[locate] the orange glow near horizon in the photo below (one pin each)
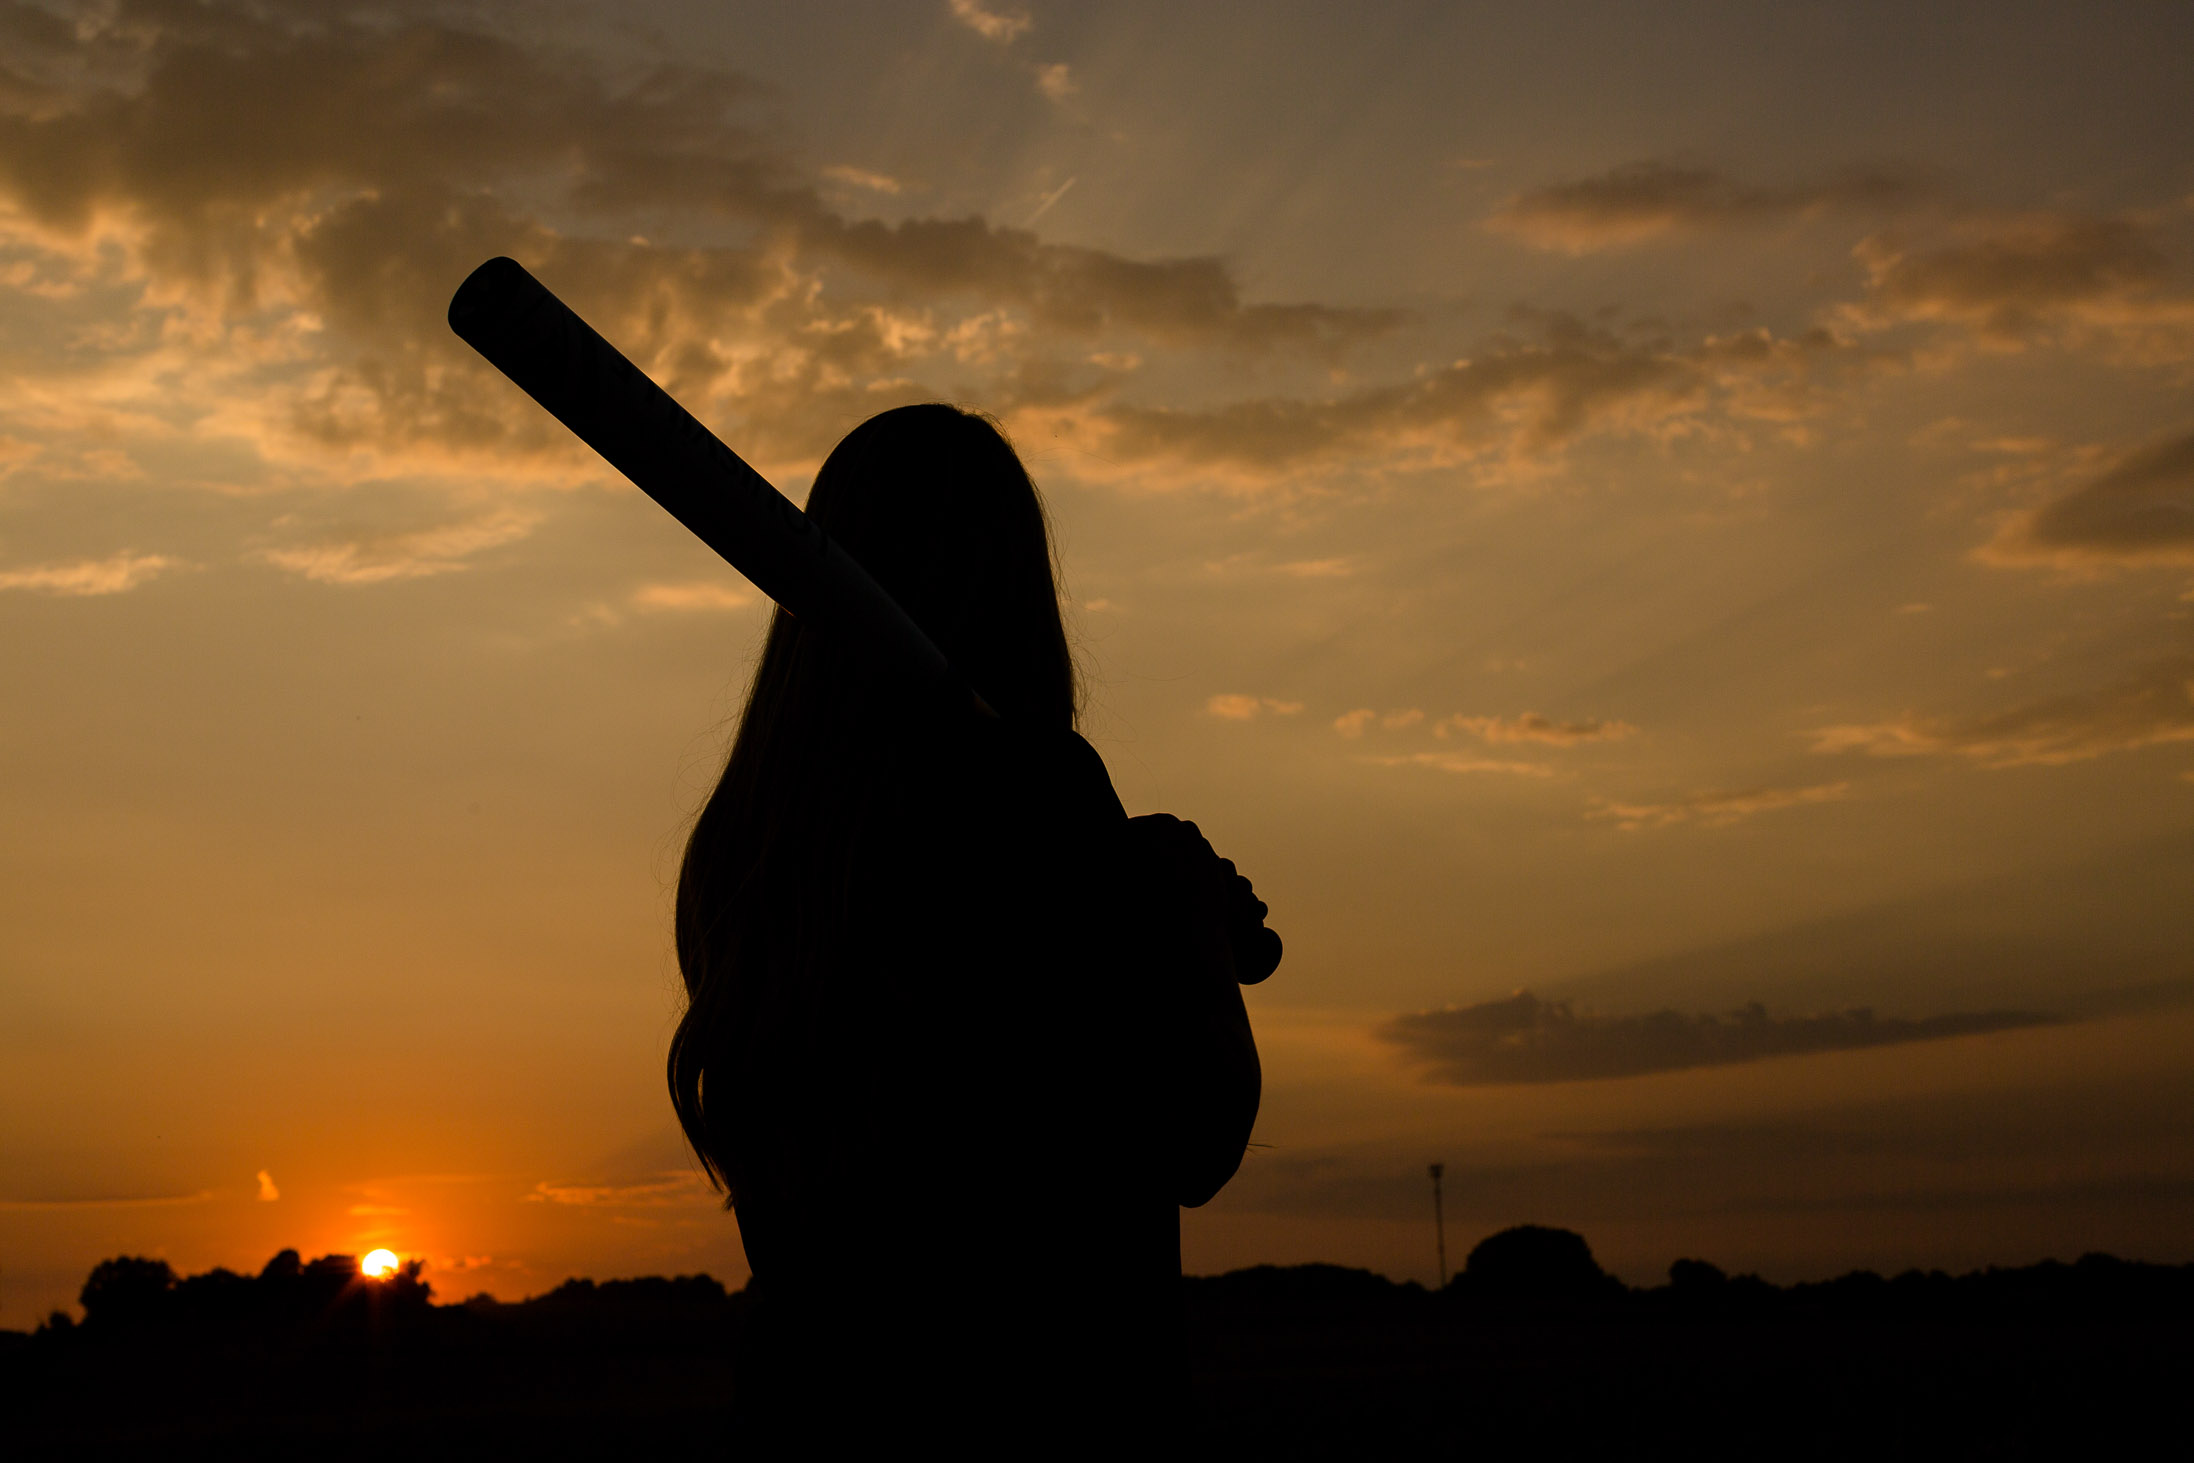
(379, 1264)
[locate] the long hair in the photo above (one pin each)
(932, 501)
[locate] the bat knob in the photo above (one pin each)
(1256, 954)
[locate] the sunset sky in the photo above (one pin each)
(1662, 538)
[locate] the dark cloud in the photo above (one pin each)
(1523, 1039)
(1862, 1135)
(1079, 290)
(2103, 1161)
(2011, 280)
(2007, 279)
(2100, 934)
(1520, 399)
(1562, 386)
(2118, 1195)
(2153, 707)
(2139, 512)
(2054, 1144)
(1648, 200)
(1527, 396)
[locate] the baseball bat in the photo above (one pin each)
(586, 383)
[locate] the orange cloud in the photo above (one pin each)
(1054, 80)
(701, 595)
(864, 178)
(1532, 727)
(1643, 201)
(1247, 708)
(376, 558)
(2152, 708)
(2009, 281)
(1716, 809)
(115, 574)
(1460, 763)
(662, 1189)
(997, 26)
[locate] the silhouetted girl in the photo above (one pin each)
(960, 1036)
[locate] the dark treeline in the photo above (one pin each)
(1531, 1350)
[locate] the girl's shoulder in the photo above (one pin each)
(1048, 770)
(992, 792)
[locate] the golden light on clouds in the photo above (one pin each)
(1233, 706)
(1719, 809)
(115, 574)
(703, 595)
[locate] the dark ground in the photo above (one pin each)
(1531, 1354)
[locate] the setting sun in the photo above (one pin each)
(379, 1264)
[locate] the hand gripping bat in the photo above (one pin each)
(586, 383)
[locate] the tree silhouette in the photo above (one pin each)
(126, 1290)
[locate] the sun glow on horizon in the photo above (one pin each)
(379, 1264)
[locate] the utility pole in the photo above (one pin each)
(1439, 1226)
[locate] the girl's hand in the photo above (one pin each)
(1179, 854)
(1185, 860)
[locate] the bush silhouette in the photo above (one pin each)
(1532, 1262)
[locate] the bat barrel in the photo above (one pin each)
(586, 383)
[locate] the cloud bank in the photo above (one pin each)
(199, 174)
(1526, 1040)
(1236, 707)
(2140, 512)
(116, 574)
(2153, 707)
(1717, 809)
(2057, 277)
(673, 1188)
(202, 173)
(1644, 201)
(1461, 762)
(1532, 727)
